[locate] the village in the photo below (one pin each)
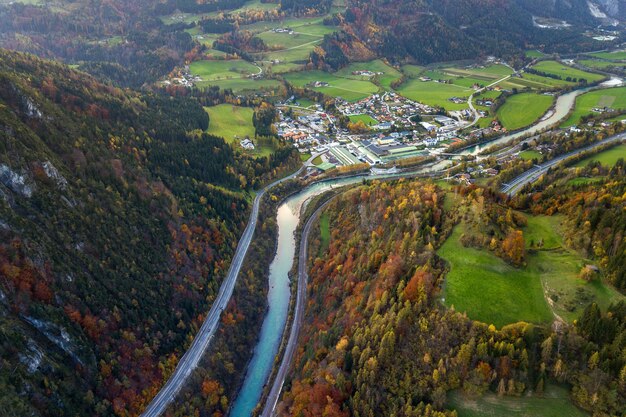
(397, 128)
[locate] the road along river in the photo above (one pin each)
(288, 218)
(278, 296)
(260, 367)
(564, 103)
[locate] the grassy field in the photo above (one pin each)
(435, 94)
(324, 232)
(558, 269)
(412, 71)
(608, 157)
(233, 123)
(521, 110)
(367, 119)
(242, 85)
(614, 98)
(348, 89)
(528, 155)
(284, 40)
(533, 53)
(564, 71)
(488, 289)
(614, 56)
(492, 291)
(290, 50)
(541, 82)
(389, 75)
(183, 18)
(222, 70)
(593, 63)
(554, 402)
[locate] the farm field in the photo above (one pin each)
(435, 94)
(389, 75)
(488, 289)
(594, 63)
(554, 402)
(291, 51)
(348, 89)
(608, 157)
(614, 98)
(540, 82)
(278, 41)
(230, 122)
(614, 56)
(222, 69)
(521, 110)
(564, 71)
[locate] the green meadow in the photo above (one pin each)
(554, 402)
(521, 110)
(608, 157)
(435, 94)
(222, 69)
(614, 98)
(346, 88)
(492, 291)
(365, 118)
(564, 71)
(389, 75)
(233, 123)
(613, 56)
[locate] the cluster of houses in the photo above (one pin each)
(366, 73)
(387, 109)
(247, 144)
(317, 84)
(305, 130)
(184, 77)
(468, 177)
(283, 30)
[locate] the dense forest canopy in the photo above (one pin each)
(117, 227)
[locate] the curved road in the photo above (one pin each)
(515, 185)
(277, 385)
(292, 342)
(191, 358)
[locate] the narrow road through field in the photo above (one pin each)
(471, 98)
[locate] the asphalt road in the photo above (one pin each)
(515, 185)
(191, 358)
(292, 342)
(278, 382)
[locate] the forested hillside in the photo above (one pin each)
(116, 228)
(377, 341)
(429, 31)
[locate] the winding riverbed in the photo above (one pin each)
(288, 218)
(564, 103)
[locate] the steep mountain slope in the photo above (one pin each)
(426, 31)
(116, 227)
